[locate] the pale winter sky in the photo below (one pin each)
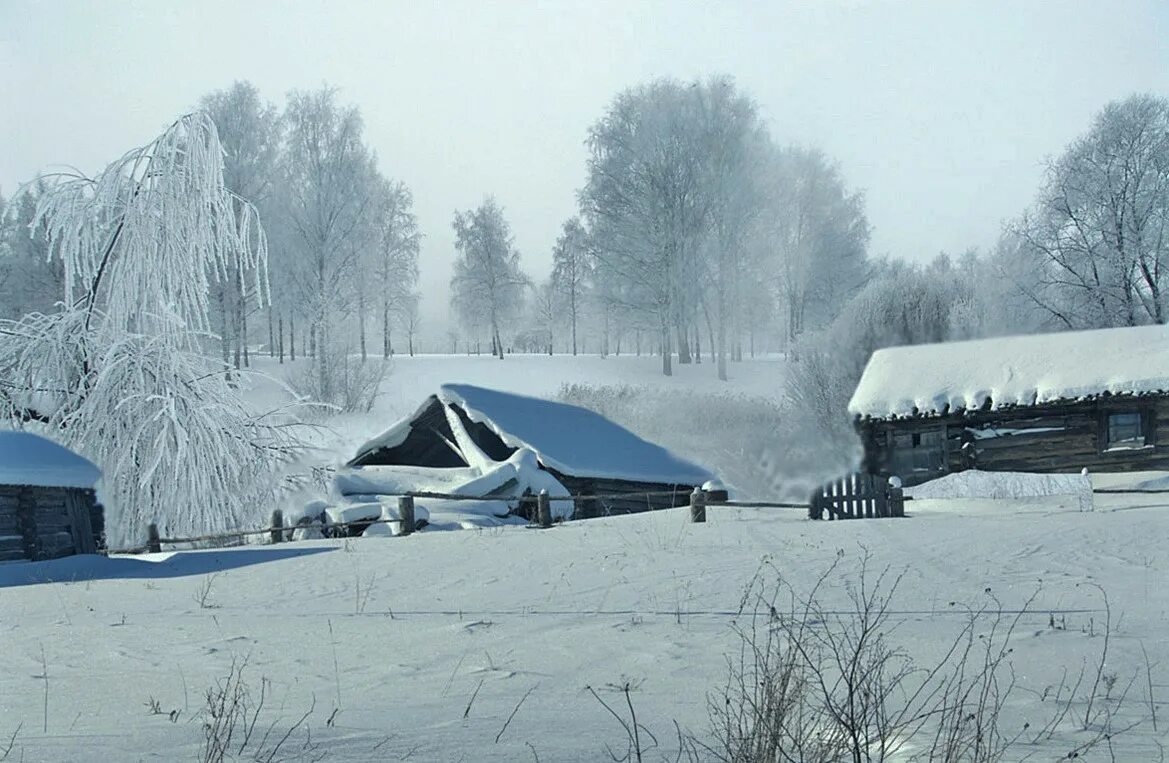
(941, 111)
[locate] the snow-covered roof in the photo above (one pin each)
(929, 379)
(566, 438)
(29, 459)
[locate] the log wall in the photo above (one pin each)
(630, 504)
(39, 523)
(1062, 437)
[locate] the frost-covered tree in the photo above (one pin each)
(395, 262)
(734, 142)
(901, 304)
(411, 320)
(572, 268)
(487, 286)
(118, 371)
(545, 309)
(29, 280)
(1099, 231)
(331, 191)
(250, 133)
(644, 204)
(817, 232)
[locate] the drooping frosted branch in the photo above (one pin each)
(145, 236)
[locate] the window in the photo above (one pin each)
(1125, 430)
(923, 451)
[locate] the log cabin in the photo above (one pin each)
(1039, 403)
(48, 504)
(473, 441)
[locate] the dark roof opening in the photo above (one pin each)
(483, 436)
(430, 442)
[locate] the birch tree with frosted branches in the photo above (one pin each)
(250, 131)
(120, 371)
(487, 286)
(572, 268)
(1097, 236)
(330, 194)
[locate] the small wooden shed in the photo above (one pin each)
(48, 505)
(463, 431)
(1038, 403)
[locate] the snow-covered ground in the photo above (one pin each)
(420, 648)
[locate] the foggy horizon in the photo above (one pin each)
(942, 116)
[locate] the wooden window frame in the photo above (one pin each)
(1148, 426)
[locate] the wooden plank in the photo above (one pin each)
(26, 523)
(867, 489)
(78, 506)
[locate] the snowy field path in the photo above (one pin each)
(398, 635)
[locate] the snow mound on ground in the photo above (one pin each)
(1004, 485)
(1156, 483)
(370, 492)
(29, 459)
(1016, 370)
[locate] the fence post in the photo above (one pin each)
(698, 505)
(716, 492)
(277, 526)
(544, 510)
(153, 539)
(815, 508)
(406, 514)
(896, 498)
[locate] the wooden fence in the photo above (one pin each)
(837, 501)
(858, 496)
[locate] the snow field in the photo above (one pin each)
(398, 634)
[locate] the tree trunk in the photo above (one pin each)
(224, 338)
(697, 347)
(236, 317)
(280, 338)
(271, 334)
(683, 346)
(386, 348)
(322, 362)
(292, 337)
(722, 352)
(243, 333)
(667, 369)
(361, 325)
(721, 349)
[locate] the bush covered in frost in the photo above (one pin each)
(764, 448)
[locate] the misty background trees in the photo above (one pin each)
(701, 237)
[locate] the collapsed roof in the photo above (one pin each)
(931, 379)
(463, 425)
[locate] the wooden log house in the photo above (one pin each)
(1039, 403)
(463, 432)
(48, 507)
